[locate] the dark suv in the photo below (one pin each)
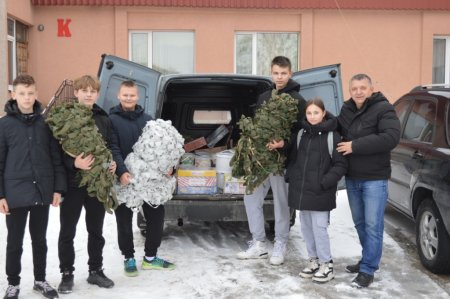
(420, 182)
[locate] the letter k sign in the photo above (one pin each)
(63, 28)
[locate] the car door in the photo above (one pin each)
(323, 82)
(114, 70)
(418, 118)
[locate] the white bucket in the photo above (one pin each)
(223, 161)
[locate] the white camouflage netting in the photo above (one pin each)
(156, 152)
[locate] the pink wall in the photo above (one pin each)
(21, 10)
(392, 46)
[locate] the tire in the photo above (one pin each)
(432, 239)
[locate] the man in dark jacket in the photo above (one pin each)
(282, 82)
(86, 90)
(128, 120)
(32, 177)
(370, 129)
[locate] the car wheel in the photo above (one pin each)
(433, 242)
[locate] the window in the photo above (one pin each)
(401, 108)
(441, 60)
(448, 123)
(254, 51)
(17, 50)
(420, 124)
(167, 52)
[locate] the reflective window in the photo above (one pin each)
(401, 108)
(421, 121)
(255, 50)
(167, 52)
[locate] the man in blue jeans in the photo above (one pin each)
(370, 129)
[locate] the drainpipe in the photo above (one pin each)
(3, 55)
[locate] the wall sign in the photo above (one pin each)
(63, 28)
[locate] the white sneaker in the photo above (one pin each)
(311, 268)
(256, 250)
(278, 253)
(325, 273)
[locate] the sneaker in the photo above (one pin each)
(256, 250)
(99, 278)
(12, 292)
(353, 268)
(325, 273)
(130, 267)
(66, 284)
(362, 280)
(278, 253)
(157, 264)
(311, 268)
(45, 289)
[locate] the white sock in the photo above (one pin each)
(149, 258)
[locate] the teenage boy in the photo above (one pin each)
(32, 177)
(86, 90)
(282, 83)
(128, 120)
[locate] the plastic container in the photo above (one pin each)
(187, 159)
(223, 161)
(222, 177)
(202, 160)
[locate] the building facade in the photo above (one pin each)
(400, 43)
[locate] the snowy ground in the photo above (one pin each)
(207, 267)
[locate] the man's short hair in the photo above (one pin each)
(281, 61)
(359, 77)
(128, 83)
(24, 79)
(86, 81)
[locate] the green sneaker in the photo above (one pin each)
(157, 264)
(130, 267)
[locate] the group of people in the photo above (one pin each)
(322, 149)
(36, 173)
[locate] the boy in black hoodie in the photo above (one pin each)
(32, 177)
(86, 90)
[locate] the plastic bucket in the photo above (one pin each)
(202, 160)
(187, 159)
(223, 161)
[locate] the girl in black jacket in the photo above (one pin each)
(313, 175)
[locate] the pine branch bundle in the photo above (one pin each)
(72, 124)
(273, 121)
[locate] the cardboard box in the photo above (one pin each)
(192, 180)
(233, 186)
(195, 144)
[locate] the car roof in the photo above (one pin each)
(441, 90)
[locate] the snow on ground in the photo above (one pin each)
(207, 268)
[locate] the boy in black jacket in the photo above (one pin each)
(86, 90)
(32, 177)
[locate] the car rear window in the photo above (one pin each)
(448, 124)
(421, 121)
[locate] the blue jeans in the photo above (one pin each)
(367, 200)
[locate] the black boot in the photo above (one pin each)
(97, 277)
(66, 285)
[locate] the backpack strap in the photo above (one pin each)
(330, 143)
(299, 137)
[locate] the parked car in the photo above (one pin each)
(420, 183)
(179, 98)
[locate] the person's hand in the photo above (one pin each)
(344, 147)
(56, 199)
(275, 144)
(4, 209)
(112, 167)
(125, 178)
(84, 163)
(170, 172)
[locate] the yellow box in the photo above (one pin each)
(196, 181)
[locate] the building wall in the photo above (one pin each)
(393, 46)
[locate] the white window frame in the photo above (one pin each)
(447, 57)
(14, 54)
(254, 35)
(150, 44)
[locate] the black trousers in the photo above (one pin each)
(154, 229)
(70, 210)
(15, 223)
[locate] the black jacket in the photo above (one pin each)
(374, 131)
(31, 168)
(311, 173)
(127, 127)
(103, 124)
(292, 88)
